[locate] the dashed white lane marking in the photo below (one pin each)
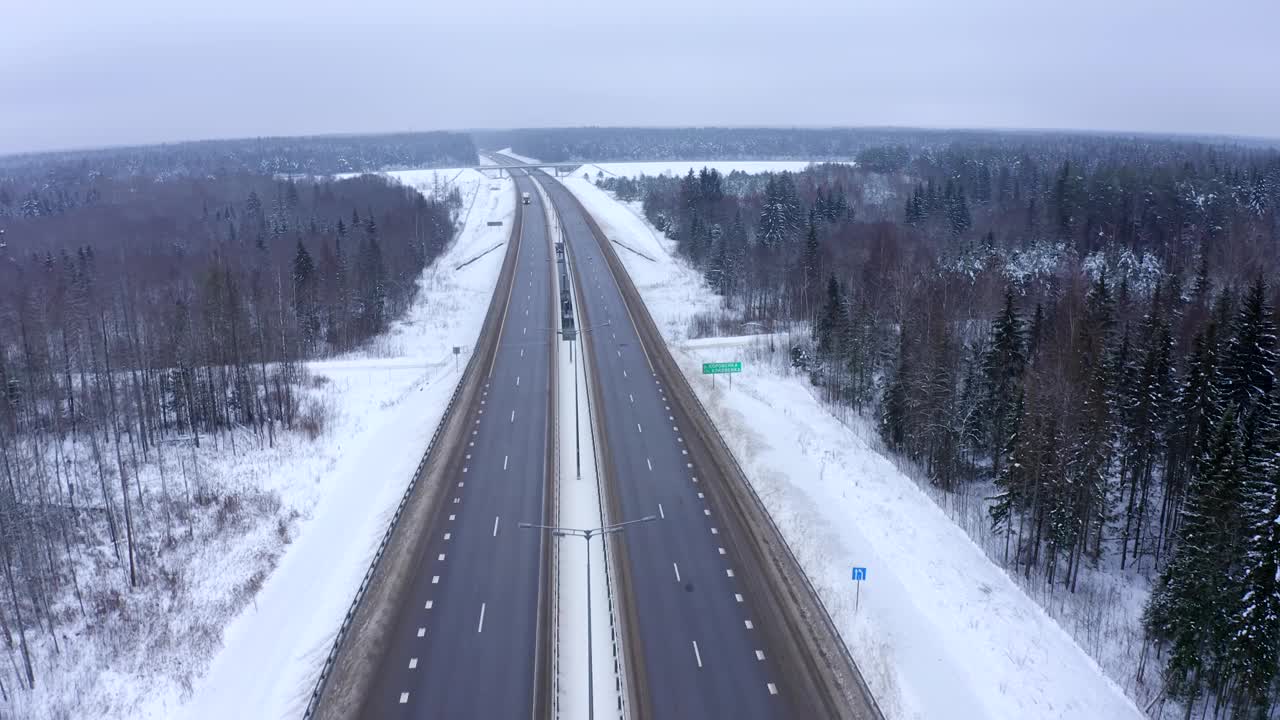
(441, 557)
(435, 579)
(513, 416)
(737, 597)
(728, 572)
(650, 463)
(715, 531)
(524, 331)
(706, 511)
(677, 569)
(633, 397)
(413, 663)
(667, 407)
(404, 698)
(422, 632)
(619, 353)
(452, 517)
(638, 428)
(505, 458)
(457, 500)
(517, 381)
(660, 512)
(697, 655)
(700, 496)
(773, 689)
(748, 624)
(480, 627)
(721, 550)
(429, 604)
(521, 352)
(460, 484)
(448, 535)
(759, 654)
(624, 373)
(495, 526)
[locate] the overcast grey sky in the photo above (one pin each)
(85, 72)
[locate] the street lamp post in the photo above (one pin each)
(587, 534)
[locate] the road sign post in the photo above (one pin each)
(859, 575)
(721, 368)
(457, 350)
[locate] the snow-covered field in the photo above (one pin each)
(678, 168)
(235, 623)
(938, 630)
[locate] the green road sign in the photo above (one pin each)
(721, 368)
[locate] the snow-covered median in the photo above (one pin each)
(939, 630)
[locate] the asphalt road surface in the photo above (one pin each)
(704, 655)
(466, 637)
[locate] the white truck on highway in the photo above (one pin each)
(524, 198)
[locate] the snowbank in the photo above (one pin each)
(939, 630)
(390, 406)
(240, 613)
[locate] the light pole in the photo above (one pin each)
(586, 535)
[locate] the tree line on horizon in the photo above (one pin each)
(1083, 332)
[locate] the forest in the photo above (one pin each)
(883, 148)
(1081, 328)
(140, 316)
(66, 171)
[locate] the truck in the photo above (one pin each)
(524, 198)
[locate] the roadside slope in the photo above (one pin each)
(939, 630)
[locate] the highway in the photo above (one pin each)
(465, 638)
(703, 652)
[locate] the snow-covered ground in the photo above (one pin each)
(391, 405)
(676, 167)
(938, 630)
(235, 621)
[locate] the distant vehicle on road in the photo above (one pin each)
(524, 198)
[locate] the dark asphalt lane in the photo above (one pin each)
(703, 653)
(465, 641)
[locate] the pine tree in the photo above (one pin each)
(1255, 632)
(773, 217)
(1091, 451)
(1249, 363)
(893, 405)
(1012, 477)
(958, 213)
(831, 324)
(305, 297)
(1193, 599)
(1002, 368)
(811, 262)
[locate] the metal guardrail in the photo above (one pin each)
(327, 668)
(813, 591)
(786, 546)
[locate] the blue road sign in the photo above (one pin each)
(859, 573)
